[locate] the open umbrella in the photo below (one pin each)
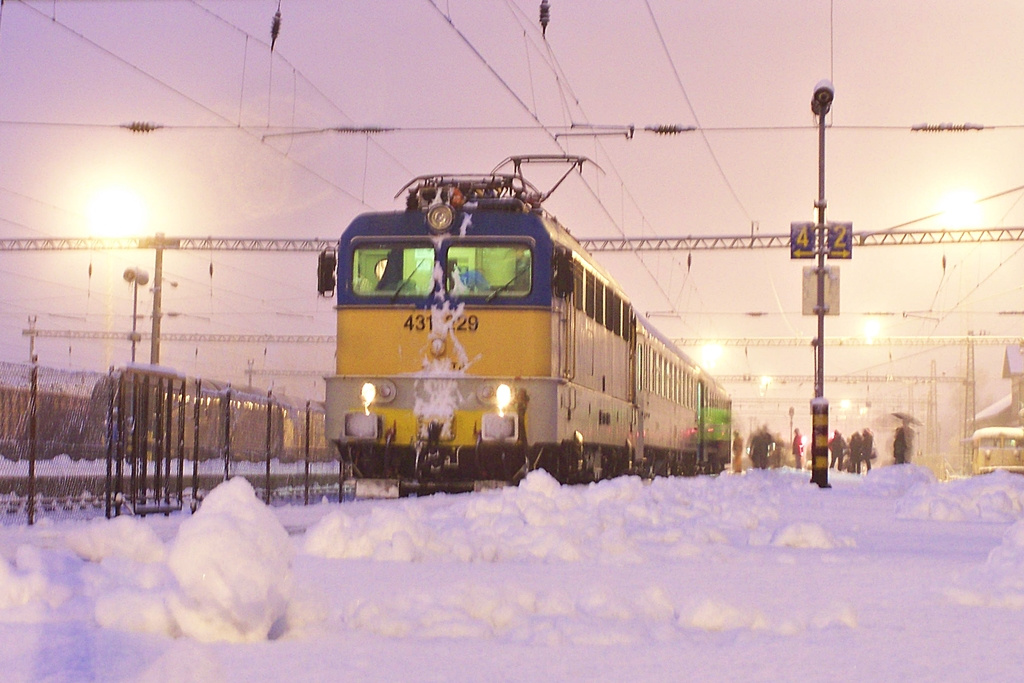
(907, 418)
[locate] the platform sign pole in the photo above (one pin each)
(818, 240)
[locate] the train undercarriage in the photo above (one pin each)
(429, 468)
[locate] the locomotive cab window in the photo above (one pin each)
(393, 269)
(489, 270)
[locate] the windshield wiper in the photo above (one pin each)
(504, 287)
(404, 282)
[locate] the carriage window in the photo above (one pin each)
(577, 285)
(393, 269)
(589, 294)
(490, 270)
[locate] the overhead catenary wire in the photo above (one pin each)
(693, 113)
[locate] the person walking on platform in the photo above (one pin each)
(899, 446)
(737, 453)
(798, 449)
(837, 446)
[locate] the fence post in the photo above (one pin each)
(305, 495)
(183, 394)
(112, 432)
(227, 433)
(270, 416)
(159, 441)
(195, 444)
(121, 444)
(33, 397)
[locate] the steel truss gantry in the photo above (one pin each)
(188, 337)
(756, 241)
(937, 340)
(314, 244)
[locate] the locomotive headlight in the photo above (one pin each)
(440, 218)
(503, 397)
(368, 393)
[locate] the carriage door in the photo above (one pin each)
(566, 286)
(701, 424)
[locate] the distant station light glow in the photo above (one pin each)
(117, 211)
(710, 355)
(960, 210)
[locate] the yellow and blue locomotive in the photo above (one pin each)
(478, 341)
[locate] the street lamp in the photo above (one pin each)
(135, 277)
(818, 240)
(821, 103)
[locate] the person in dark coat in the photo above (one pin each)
(856, 452)
(837, 446)
(899, 446)
(760, 444)
(798, 449)
(868, 448)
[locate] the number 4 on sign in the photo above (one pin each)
(801, 240)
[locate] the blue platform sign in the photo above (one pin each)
(840, 240)
(801, 240)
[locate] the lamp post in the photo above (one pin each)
(135, 277)
(821, 103)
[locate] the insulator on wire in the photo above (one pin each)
(545, 17)
(946, 127)
(670, 129)
(275, 28)
(141, 126)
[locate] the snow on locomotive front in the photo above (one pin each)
(444, 336)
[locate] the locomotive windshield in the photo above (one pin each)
(405, 268)
(489, 270)
(392, 269)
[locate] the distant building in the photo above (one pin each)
(1013, 369)
(1007, 411)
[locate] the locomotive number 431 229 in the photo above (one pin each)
(418, 322)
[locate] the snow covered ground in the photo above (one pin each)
(753, 577)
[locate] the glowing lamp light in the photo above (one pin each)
(710, 355)
(871, 330)
(117, 212)
(503, 397)
(960, 210)
(368, 393)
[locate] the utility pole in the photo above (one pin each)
(158, 280)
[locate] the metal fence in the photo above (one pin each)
(144, 440)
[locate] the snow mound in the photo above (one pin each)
(232, 561)
(995, 497)
(896, 480)
(26, 593)
(1000, 581)
(622, 521)
(573, 615)
(805, 535)
(124, 537)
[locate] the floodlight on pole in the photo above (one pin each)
(135, 277)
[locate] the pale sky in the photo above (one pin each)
(466, 83)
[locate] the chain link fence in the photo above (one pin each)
(145, 440)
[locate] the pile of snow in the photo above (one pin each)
(751, 568)
(995, 497)
(226, 576)
(625, 520)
